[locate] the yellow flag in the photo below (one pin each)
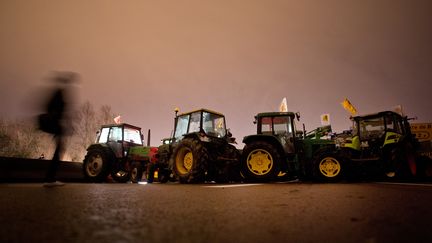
(349, 107)
(325, 119)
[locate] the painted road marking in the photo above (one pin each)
(404, 184)
(236, 185)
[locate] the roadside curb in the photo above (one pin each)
(34, 170)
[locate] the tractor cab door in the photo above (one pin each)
(394, 130)
(371, 132)
(282, 128)
(115, 141)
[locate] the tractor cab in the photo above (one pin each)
(209, 125)
(374, 132)
(279, 125)
(120, 138)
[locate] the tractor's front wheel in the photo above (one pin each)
(260, 161)
(328, 167)
(189, 161)
(121, 176)
(136, 172)
(96, 165)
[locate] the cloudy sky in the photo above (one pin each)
(239, 57)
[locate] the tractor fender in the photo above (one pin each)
(266, 138)
(105, 148)
(192, 135)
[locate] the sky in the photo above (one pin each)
(238, 57)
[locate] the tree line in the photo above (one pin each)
(23, 139)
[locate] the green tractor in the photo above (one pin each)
(200, 149)
(118, 152)
(381, 143)
(278, 150)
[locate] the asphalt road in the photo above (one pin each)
(285, 212)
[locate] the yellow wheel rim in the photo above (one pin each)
(188, 160)
(259, 162)
(184, 161)
(329, 167)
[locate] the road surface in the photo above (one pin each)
(274, 212)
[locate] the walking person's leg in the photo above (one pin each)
(50, 179)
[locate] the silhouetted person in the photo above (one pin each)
(53, 122)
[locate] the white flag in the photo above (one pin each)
(398, 109)
(283, 106)
(117, 119)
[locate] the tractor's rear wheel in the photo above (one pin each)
(189, 161)
(328, 167)
(260, 161)
(96, 165)
(401, 163)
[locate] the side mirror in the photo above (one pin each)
(229, 134)
(297, 114)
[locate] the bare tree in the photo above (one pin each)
(23, 139)
(86, 124)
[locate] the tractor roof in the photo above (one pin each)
(265, 114)
(202, 109)
(122, 124)
(378, 114)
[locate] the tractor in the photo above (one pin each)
(200, 149)
(381, 144)
(119, 152)
(279, 151)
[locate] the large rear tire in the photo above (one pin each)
(96, 165)
(260, 161)
(401, 163)
(189, 161)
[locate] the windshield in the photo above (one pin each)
(276, 125)
(371, 128)
(132, 135)
(214, 125)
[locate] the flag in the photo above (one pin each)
(283, 107)
(325, 119)
(117, 119)
(398, 109)
(349, 107)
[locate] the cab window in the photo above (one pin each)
(103, 135)
(195, 119)
(116, 134)
(266, 125)
(182, 126)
